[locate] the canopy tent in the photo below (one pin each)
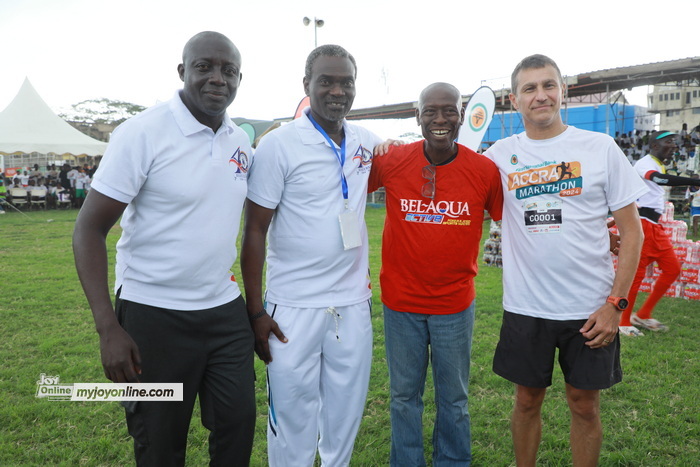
(28, 125)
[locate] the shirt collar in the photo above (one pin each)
(310, 135)
(190, 125)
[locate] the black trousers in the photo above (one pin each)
(211, 353)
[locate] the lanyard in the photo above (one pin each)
(340, 156)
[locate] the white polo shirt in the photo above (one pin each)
(185, 187)
(298, 174)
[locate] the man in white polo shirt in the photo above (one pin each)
(180, 317)
(308, 186)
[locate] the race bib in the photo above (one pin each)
(543, 217)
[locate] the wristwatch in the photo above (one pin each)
(621, 303)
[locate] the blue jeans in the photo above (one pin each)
(449, 337)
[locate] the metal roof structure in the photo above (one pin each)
(583, 84)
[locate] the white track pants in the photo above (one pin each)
(317, 383)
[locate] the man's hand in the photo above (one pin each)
(383, 148)
(601, 327)
(614, 243)
(262, 328)
(121, 360)
(614, 239)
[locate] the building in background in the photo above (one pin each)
(594, 114)
(676, 103)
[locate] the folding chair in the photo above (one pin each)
(38, 197)
(19, 197)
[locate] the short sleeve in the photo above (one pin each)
(124, 167)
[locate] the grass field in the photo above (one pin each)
(651, 419)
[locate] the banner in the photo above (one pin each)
(477, 117)
(305, 102)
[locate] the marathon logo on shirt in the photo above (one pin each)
(240, 159)
(363, 158)
(440, 212)
(548, 178)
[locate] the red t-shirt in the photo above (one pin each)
(430, 247)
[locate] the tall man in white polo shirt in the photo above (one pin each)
(180, 317)
(308, 186)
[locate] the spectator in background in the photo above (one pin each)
(693, 195)
(3, 193)
(657, 243)
(24, 178)
(63, 179)
(52, 173)
(81, 181)
(72, 175)
(36, 173)
(52, 194)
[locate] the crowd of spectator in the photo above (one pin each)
(52, 188)
(635, 145)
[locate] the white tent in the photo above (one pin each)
(28, 125)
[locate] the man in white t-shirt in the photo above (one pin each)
(693, 194)
(657, 245)
(559, 286)
(179, 316)
(308, 187)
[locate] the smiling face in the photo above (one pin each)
(331, 88)
(211, 71)
(440, 115)
(538, 96)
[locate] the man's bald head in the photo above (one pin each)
(447, 87)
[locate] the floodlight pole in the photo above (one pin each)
(318, 23)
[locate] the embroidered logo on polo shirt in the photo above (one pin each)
(240, 159)
(363, 156)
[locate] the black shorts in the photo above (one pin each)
(525, 354)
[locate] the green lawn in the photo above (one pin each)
(651, 419)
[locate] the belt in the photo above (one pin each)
(650, 214)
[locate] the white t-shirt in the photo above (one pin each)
(185, 187)
(695, 202)
(555, 246)
(80, 181)
(298, 174)
(72, 175)
(657, 194)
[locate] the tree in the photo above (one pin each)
(102, 111)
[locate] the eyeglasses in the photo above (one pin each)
(428, 189)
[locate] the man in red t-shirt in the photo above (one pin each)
(436, 195)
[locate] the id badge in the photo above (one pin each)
(350, 230)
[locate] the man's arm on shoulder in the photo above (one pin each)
(603, 324)
(257, 223)
(120, 356)
(383, 147)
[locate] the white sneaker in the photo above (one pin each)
(649, 324)
(630, 331)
